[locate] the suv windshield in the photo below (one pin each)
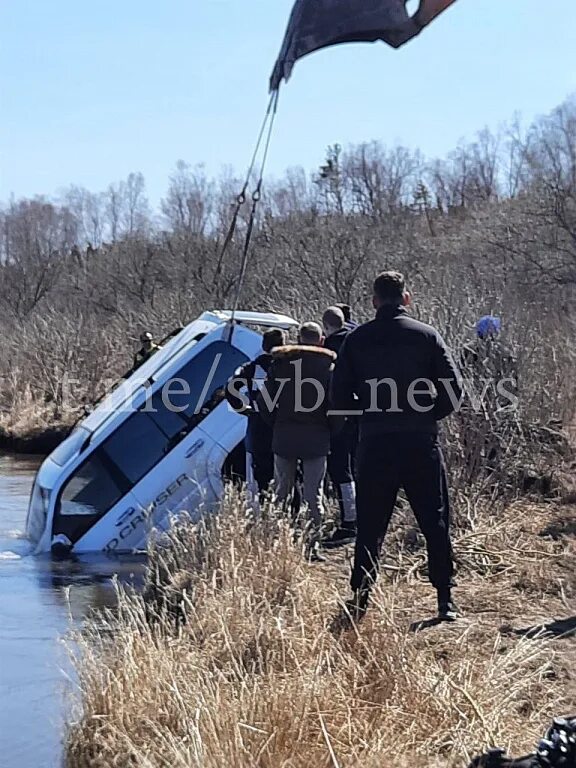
(70, 447)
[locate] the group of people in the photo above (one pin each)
(363, 405)
(290, 426)
(358, 405)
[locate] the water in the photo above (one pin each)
(40, 602)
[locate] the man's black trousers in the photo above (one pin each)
(259, 444)
(385, 463)
(341, 457)
(341, 460)
(263, 467)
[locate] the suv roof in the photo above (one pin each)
(264, 319)
(205, 324)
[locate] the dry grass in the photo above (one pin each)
(26, 416)
(239, 655)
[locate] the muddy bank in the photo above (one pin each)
(40, 440)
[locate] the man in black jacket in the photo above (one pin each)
(335, 330)
(258, 441)
(405, 382)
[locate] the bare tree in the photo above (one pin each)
(36, 237)
(188, 205)
(136, 208)
(126, 207)
(88, 211)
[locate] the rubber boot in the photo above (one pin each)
(348, 494)
(346, 533)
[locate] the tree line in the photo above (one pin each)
(491, 228)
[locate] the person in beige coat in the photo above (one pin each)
(296, 400)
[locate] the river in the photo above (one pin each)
(40, 603)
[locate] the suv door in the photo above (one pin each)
(188, 478)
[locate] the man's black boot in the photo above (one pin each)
(447, 610)
(341, 536)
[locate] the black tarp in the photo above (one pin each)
(316, 24)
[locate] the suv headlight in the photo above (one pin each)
(37, 513)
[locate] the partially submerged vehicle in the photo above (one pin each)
(155, 447)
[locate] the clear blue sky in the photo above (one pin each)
(90, 91)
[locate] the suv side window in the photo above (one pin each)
(205, 378)
(146, 436)
(136, 446)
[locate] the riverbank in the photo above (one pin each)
(35, 441)
(240, 654)
(34, 428)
